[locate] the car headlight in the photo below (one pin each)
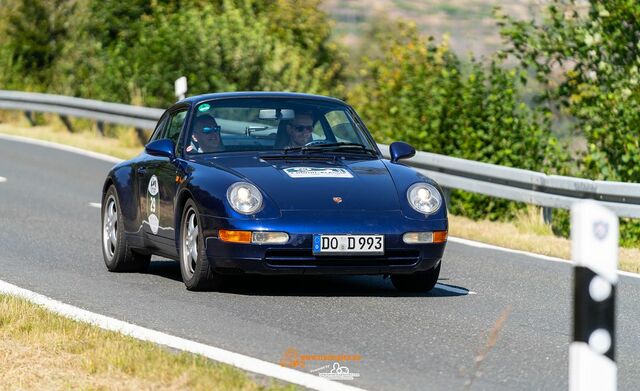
(244, 198)
(424, 198)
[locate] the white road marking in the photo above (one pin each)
(235, 359)
(2, 179)
(454, 289)
(520, 252)
(95, 205)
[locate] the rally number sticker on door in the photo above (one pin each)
(152, 204)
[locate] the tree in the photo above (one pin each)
(222, 45)
(415, 90)
(33, 36)
(588, 57)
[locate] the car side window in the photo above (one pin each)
(342, 127)
(318, 132)
(160, 128)
(175, 125)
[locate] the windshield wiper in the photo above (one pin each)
(332, 147)
(296, 156)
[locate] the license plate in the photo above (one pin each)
(348, 244)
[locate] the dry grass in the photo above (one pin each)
(125, 146)
(41, 350)
(529, 233)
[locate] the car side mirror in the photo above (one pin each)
(399, 150)
(163, 148)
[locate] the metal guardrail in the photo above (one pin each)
(549, 191)
(531, 187)
(135, 116)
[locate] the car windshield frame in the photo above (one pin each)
(318, 107)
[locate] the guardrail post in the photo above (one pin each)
(66, 122)
(547, 215)
(29, 116)
(141, 136)
(594, 248)
(100, 125)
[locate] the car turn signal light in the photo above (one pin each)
(256, 237)
(440, 236)
(234, 236)
(425, 237)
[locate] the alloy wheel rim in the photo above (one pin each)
(110, 228)
(190, 243)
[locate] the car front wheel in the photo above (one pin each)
(417, 282)
(197, 272)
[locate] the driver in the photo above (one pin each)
(299, 130)
(205, 136)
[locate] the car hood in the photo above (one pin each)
(329, 184)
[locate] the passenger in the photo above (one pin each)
(205, 136)
(299, 130)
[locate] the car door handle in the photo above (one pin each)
(142, 170)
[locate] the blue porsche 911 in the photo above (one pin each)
(272, 183)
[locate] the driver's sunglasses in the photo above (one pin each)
(302, 128)
(210, 129)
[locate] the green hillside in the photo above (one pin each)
(469, 23)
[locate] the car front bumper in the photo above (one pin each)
(296, 256)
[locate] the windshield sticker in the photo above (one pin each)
(152, 204)
(315, 172)
(204, 107)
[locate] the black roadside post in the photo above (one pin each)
(594, 249)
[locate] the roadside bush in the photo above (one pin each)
(131, 52)
(588, 60)
(587, 56)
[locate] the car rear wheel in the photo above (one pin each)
(116, 253)
(417, 282)
(197, 272)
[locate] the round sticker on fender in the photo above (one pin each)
(152, 204)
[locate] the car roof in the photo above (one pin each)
(258, 94)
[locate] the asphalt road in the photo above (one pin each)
(50, 243)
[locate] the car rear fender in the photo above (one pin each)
(123, 179)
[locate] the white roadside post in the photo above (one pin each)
(594, 249)
(180, 86)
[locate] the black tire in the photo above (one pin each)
(118, 257)
(197, 272)
(417, 282)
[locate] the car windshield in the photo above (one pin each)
(284, 126)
